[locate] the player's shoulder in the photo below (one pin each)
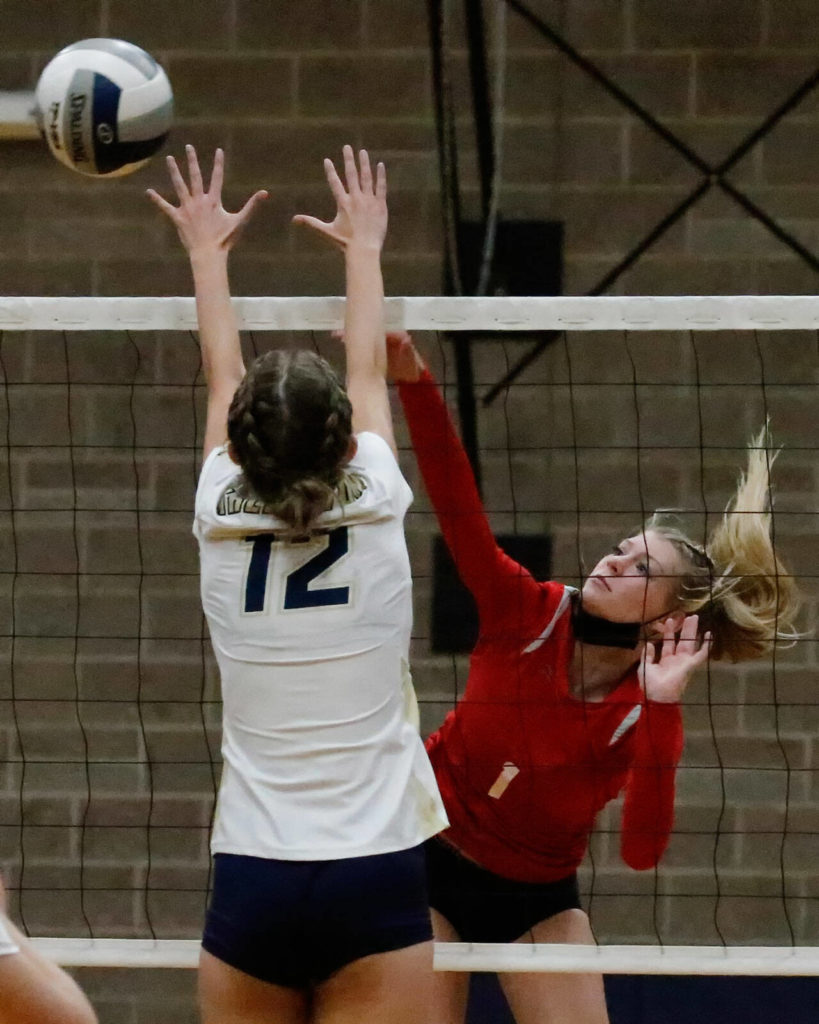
(221, 501)
(217, 465)
(374, 469)
(551, 616)
(558, 600)
(559, 593)
(373, 450)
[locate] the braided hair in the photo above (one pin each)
(290, 425)
(736, 584)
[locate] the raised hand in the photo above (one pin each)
(666, 668)
(361, 207)
(201, 220)
(404, 362)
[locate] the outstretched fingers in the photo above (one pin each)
(194, 171)
(350, 170)
(360, 202)
(163, 204)
(380, 181)
(217, 176)
(669, 645)
(200, 218)
(177, 180)
(682, 641)
(335, 183)
(666, 668)
(367, 184)
(365, 172)
(688, 632)
(690, 644)
(247, 211)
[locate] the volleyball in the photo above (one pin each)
(104, 106)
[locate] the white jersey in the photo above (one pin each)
(322, 758)
(7, 943)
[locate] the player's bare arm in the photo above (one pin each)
(358, 229)
(209, 233)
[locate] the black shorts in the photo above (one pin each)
(484, 907)
(294, 923)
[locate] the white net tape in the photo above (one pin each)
(552, 958)
(614, 313)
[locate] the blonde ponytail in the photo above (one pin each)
(737, 585)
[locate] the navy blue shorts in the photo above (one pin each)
(484, 907)
(294, 923)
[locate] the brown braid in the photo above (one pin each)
(290, 424)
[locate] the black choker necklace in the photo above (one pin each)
(591, 629)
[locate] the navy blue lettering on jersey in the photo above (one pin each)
(297, 592)
(256, 585)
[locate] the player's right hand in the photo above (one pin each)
(201, 220)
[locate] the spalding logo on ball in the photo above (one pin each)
(104, 106)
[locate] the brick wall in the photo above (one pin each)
(111, 694)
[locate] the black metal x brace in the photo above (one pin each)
(713, 176)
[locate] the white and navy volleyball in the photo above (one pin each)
(104, 106)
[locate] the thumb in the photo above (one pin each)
(319, 226)
(163, 204)
(310, 222)
(249, 208)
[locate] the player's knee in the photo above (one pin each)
(71, 1005)
(80, 1012)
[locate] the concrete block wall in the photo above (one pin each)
(109, 726)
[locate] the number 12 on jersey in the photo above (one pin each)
(297, 592)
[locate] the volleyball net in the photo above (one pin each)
(110, 717)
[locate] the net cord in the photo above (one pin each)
(597, 313)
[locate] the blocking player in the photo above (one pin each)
(319, 909)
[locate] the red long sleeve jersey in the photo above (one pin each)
(523, 766)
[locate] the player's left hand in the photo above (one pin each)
(361, 207)
(665, 668)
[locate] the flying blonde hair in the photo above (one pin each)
(736, 584)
